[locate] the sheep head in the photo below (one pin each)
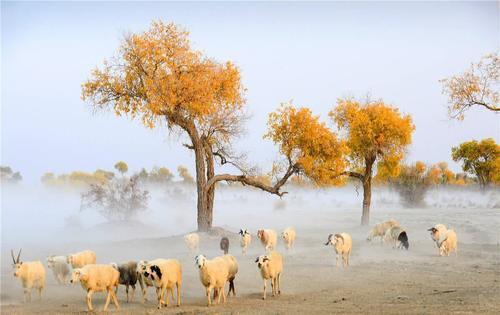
(262, 261)
(200, 261)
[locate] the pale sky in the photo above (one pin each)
(312, 53)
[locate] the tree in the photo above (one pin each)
(121, 167)
(479, 158)
(160, 79)
(184, 174)
(374, 132)
(119, 199)
(8, 175)
(476, 87)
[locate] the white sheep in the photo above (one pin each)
(165, 274)
(245, 240)
(380, 229)
(31, 274)
(213, 275)
(59, 267)
(271, 267)
(449, 244)
(193, 242)
(438, 232)
(144, 282)
(78, 260)
(98, 278)
(268, 238)
(288, 236)
(397, 237)
(343, 247)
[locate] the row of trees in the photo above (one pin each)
(157, 175)
(158, 78)
(7, 175)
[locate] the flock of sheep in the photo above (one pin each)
(165, 274)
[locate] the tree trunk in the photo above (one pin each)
(367, 197)
(204, 218)
(367, 191)
(209, 211)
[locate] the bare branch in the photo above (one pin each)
(250, 181)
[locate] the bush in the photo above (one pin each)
(118, 199)
(412, 184)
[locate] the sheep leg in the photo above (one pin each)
(265, 286)
(231, 287)
(161, 292)
(108, 298)
(167, 297)
(279, 283)
(337, 258)
(218, 295)
(208, 291)
(89, 300)
(133, 293)
(40, 293)
(273, 286)
(126, 291)
(178, 285)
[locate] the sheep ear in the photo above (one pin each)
(265, 259)
(257, 259)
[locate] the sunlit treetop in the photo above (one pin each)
(307, 142)
(157, 74)
(477, 86)
(373, 130)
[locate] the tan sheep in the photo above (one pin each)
(271, 267)
(268, 238)
(165, 274)
(449, 244)
(213, 275)
(98, 278)
(438, 232)
(288, 236)
(245, 240)
(343, 247)
(397, 237)
(31, 274)
(193, 242)
(380, 229)
(78, 260)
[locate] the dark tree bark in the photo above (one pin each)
(366, 181)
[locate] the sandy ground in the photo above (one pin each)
(380, 280)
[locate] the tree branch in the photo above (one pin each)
(250, 181)
(490, 107)
(353, 175)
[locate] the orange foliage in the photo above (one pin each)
(304, 140)
(158, 74)
(374, 131)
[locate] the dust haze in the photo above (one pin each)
(45, 221)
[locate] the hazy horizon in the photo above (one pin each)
(312, 53)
